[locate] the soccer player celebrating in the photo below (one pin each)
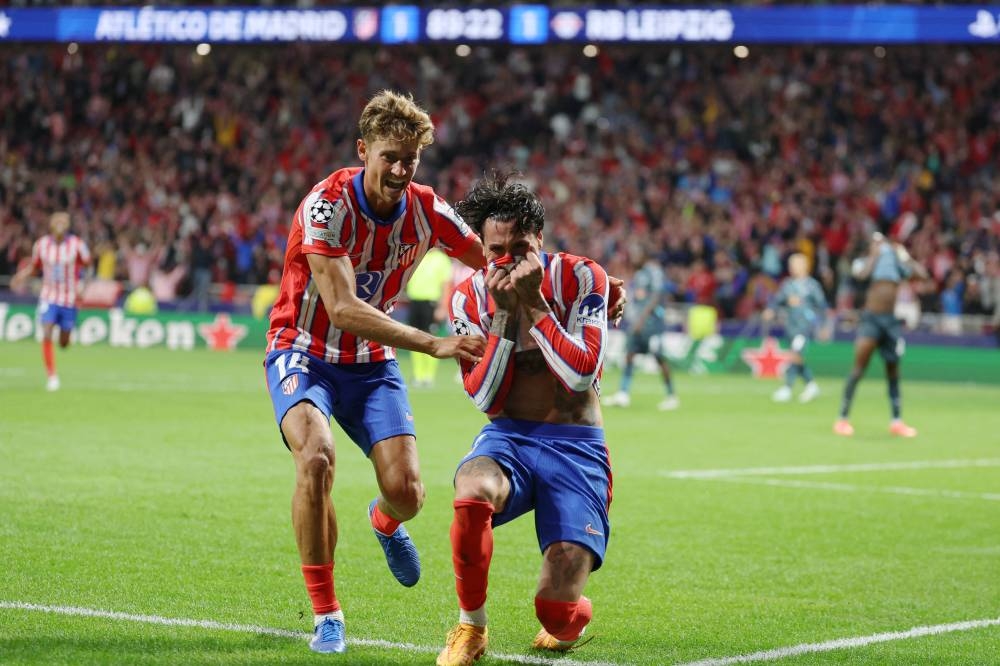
(804, 305)
(649, 289)
(543, 318)
(886, 265)
(60, 255)
(355, 240)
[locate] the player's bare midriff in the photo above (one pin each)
(536, 395)
(881, 297)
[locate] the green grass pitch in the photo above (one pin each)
(155, 484)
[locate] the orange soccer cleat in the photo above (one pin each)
(900, 429)
(465, 644)
(843, 428)
(546, 641)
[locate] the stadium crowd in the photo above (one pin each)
(183, 170)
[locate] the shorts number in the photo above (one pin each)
(295, 361)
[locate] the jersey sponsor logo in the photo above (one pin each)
(461, 326)
(290, 384)
(367, 284)
(593, 311)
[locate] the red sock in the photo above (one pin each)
(319, 583)
(564, 619)
(50, 358)
(383, 522)
(471, 551)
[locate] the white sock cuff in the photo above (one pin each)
(475, 617)
(335, 615)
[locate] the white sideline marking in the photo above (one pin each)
(831, 469)
(268, 631)
(847, 487)
(842, 643)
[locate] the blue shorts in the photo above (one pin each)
(62, 316)
(563, 472)
(368, 400)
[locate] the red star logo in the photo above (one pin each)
(222, 334)
(768, 361)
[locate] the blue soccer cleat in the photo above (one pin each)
(400, 553)
(328, 637)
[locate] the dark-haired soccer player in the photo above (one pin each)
(886, 265)
(60, 255)
(543, 319)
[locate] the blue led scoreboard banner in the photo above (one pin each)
(518, 24)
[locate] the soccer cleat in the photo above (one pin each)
(400, 553)
(843, 428)
(783, 394)
(620, 399)
(465, 644)
(670, 403)
(546, 641)
(52, 384)
(809, 393)
(900, 429)
(328, 637)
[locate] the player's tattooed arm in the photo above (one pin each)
(504, 325)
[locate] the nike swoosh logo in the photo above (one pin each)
(590, 530)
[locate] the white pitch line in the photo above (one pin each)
(831, 469)
(848, 487)
(269, 631)
(843, 643)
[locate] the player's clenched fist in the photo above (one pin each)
(463, 347)
(526, 277)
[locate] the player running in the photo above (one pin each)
(804, 305)
(543, 317)
(649, 291)
(355, 240)
(886, 265)
(61, 256)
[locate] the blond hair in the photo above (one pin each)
(391, 115)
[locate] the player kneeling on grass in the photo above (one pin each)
(544, 320)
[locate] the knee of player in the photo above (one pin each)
(405, 497)
(478, 487)
(315, 460)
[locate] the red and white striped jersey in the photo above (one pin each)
(335, 220)
(572, 339)
(60, 262)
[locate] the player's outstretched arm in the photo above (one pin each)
(334, 277)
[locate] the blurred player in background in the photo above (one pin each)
(61, 256)
(426, 291)
(543, 317)
(649, 294)
(355, 241)
(886, 265)
(804, 305)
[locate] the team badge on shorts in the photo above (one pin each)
(289, 385)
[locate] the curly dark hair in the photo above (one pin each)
(494, 196)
